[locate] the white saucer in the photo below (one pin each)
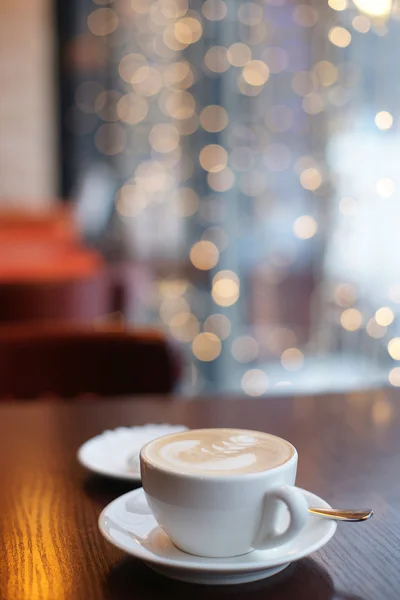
(115, 453)
(128, 524)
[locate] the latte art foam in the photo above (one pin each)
(218, 451)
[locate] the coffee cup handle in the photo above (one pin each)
(294, 499)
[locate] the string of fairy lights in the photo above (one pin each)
(218, 122)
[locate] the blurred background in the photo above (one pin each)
(233, 167)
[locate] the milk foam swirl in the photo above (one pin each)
(219, 451)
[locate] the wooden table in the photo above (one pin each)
(50, 547)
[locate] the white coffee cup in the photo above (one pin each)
(220, 515)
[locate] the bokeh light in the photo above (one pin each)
(374, 330)
(384, 120)
(338, 4)
(394, 376)
(345, 294)
(218, 324)
(238, 54)
(255, 72)
(214, 10)
(225, 288)
(292, 359)
(385, 187)
(245, 349)
(206, 346)
(375, 8)
(305, 15)
(394, 348)
(214, 118)
(310, 179)
(221, 181)
(384, 316)
(305, 227)
(361, 24)
(351, 319)
(102, 21)
(216, 59)
(339, 36)
(213, 158)
(164, 137)
(184, 326)
(204, 255)
(255, 382)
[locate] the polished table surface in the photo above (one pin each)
(50, 546)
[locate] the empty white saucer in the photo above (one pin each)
(115, 453)
(128, 524)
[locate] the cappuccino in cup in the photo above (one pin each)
(222, 492)
(222, 452)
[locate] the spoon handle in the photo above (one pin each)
(339, 514)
